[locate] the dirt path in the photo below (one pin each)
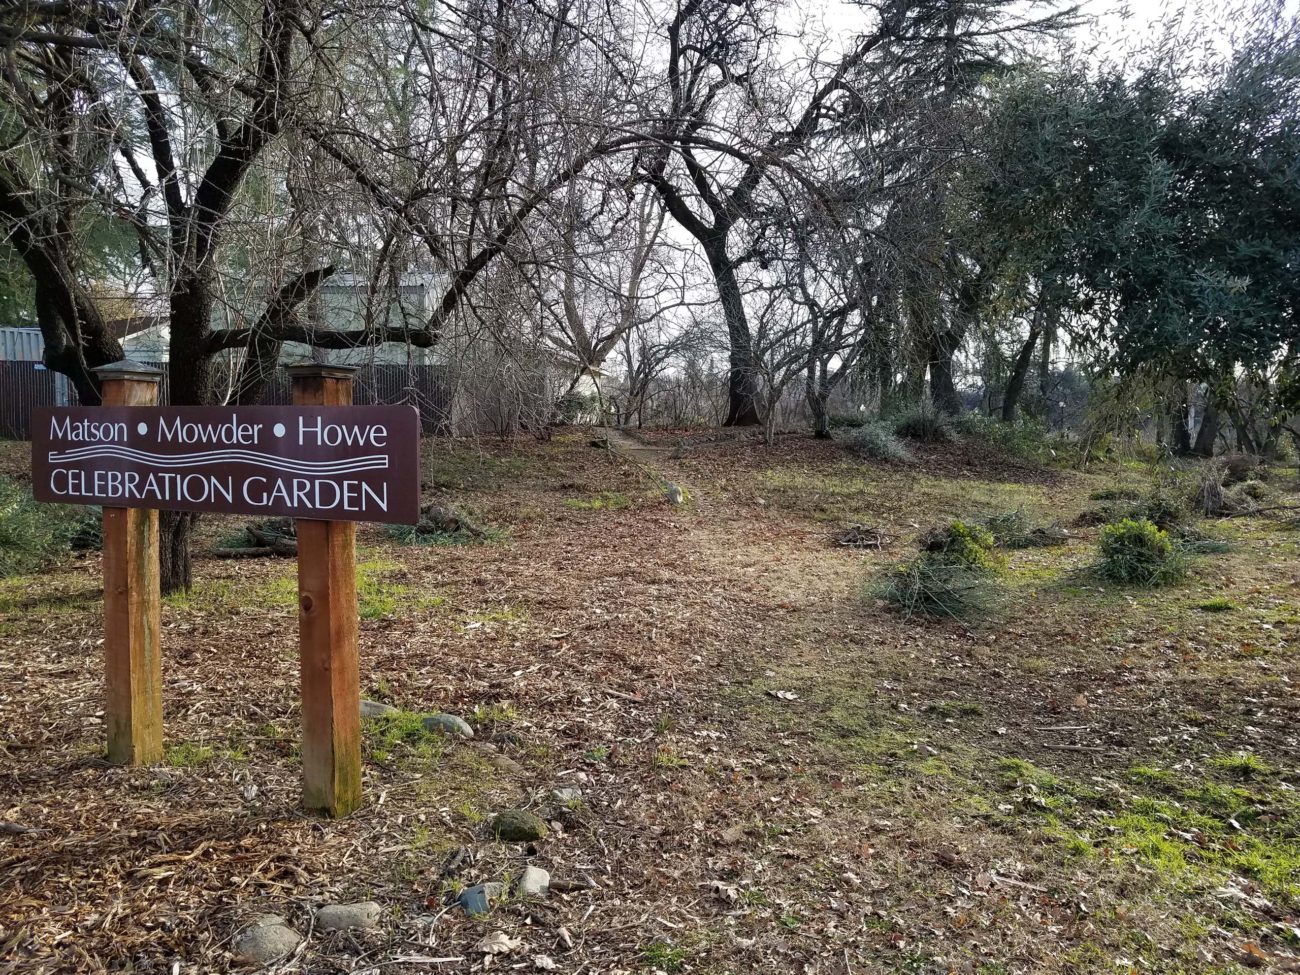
(625, 444)
(774, 773)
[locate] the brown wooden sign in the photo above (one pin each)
(334, 463)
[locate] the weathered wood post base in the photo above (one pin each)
(327, 632)
(132, 627)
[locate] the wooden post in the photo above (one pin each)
(132, 628)
(327, 632)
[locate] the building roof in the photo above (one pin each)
(122, 328)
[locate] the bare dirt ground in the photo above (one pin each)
(777, 773)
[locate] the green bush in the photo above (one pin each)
(932, 585)
(86, 532)
(877, 441)
(962, 544)
(1255, 490)
(926, 424)
(32, 533)
(1025, 437)
(1162, 507)
(1137, 552)
(953, 575)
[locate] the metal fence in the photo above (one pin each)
(24, 386)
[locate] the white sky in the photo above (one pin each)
(1116, 25)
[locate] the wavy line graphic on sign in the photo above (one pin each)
(368, 463)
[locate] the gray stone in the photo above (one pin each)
(534, 882)
(448, 724)
(477, 900)
(267, 940)
(568, 795)
(518, 826)
(344, 917)
(376, 709)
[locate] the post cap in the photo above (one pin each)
(320, 370)
(128, 369)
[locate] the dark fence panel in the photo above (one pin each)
(425, 387)
(23, 387)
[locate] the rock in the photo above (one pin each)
(448, 724)
(345, 917)
(517, 826)
(477, 900)
(267, 940)
(534, 882)
(492, 756)
(568, 795)
(376, 709)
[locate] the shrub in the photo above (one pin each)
(1255, 490)
(932, 585)
(1013, 529)
(877, 441)
(1161, 507)
(1025, 438)
(962, 544)
(952, 575)
(31, 533)
(1209, 490)
(1116, 494)
(1220, 501)
(1137, 552)
(1193, 541)
(843, 421)
(1242, 467)
(86, 533)
(926, 424)
(440, 525)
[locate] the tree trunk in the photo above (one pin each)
(1208, 432)
(189, 371)
(1045, 363)
(1019, 372)
(174, 558)
(943, 389)
(818, 397)
(742, 377)
(1182, 437)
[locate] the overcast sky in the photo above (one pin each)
(1115, 25)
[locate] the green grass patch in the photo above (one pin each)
(853, 492)
(1194, 834)
(188, 754)
(955, 709)
(461, 470)
(664, 957)
(604, 501)
(1243, 765)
